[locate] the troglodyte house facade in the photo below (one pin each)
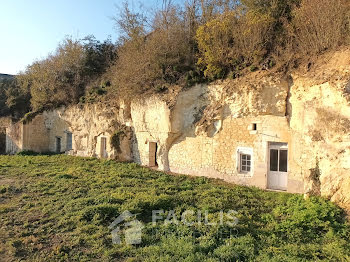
(280, 132)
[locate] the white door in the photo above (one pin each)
(277, 176)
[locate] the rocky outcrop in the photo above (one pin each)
(320, 115)
(253, 95)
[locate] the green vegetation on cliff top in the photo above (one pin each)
(180, 45)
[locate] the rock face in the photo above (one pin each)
(320, 115)
(78, 130)
(210, 127)
(308, 112)
(275, 131)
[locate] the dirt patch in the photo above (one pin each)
(6, 181)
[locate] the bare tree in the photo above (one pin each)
(131, 24)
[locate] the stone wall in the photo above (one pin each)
(212, 149)
(185, 147)
(151, 123)
(217, 156)
(14, 138)
(90, 124)
(36, 135)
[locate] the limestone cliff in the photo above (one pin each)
(307, 109)
(320, 115)
(87, 125)
(90, 122)
(207, 129)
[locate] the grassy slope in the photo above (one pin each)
(59, 208)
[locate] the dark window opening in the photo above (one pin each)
(283, 160)
(2, 141)
(58, 144)
(155, 155)
(273, 160)
(255, 127)
(69, 145)
(278, 160)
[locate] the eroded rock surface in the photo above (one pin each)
(204, 130)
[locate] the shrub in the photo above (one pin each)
(304, 221)
(93, 95)
(63, 76)
(319, 25)
(237, 249)
(28, 117)
(231, 42)
(58, 79)
(33, 153)
(152, 62)
(179, 46)
(215, 43)
(27, 153)
(253, 68)
(14, 99)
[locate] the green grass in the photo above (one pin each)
(59, 208)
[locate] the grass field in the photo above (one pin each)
(58, 208)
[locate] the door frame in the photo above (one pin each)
(277, 146)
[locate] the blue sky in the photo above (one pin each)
(31, 29)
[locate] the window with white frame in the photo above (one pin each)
(245, 160)
(245, 163)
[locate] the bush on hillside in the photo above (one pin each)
(62, 77)
(180, 46)
(231, 42)
(154, 61)
(14, 100)
(319, 25)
